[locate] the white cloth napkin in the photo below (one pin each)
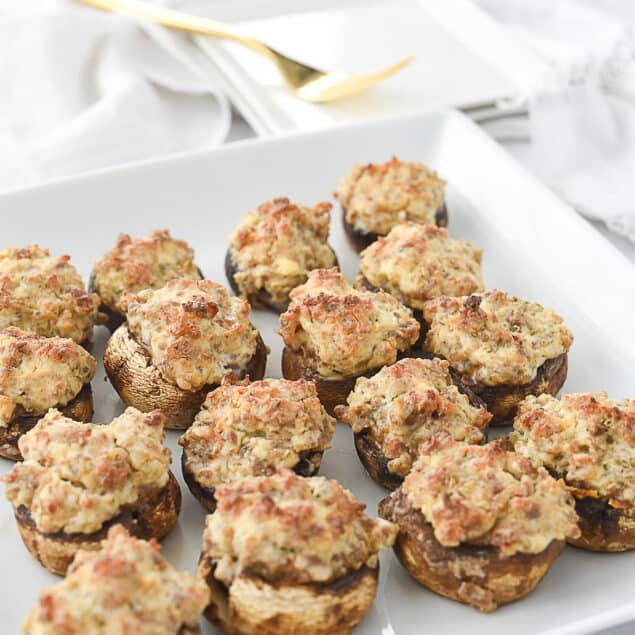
(81, 89)
(582, 121)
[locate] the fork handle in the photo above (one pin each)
(180, 22)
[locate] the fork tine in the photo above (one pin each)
(333, 86)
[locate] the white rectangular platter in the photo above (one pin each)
(534, 247)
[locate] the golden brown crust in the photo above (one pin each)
(416, 263)
(114, 319)
(143, 263)
(378, 196)
(140, 384)
(261, 299)
(252, 606)
(292, 530)
(46, 295)
(79, 409)
(284, 554)
(401, 406)
(250, 429)
(124, 586)
(588, 440)
(275, 247)
(193, 331)
(493, 338)
(153, 516)
(359, 240)
(476, 575)
(343, 332)
(488, 496)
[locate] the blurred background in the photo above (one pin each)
(553, 82)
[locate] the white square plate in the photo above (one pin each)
(534, 246)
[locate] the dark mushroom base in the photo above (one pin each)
(253, 606)
(140, 384)
(375, 461)
(604, 527)
(262, 299)
(502, 401)
(153, 516)
(114, 318)
(79, 409)
(474, 575)
(359, 240)
(332, 392)
(309, 465)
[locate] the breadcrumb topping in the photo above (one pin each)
(405, 404)
(248, 429)
(77, 476)
(275, 247)
(378, 196)
(493, 338)
(416, 263)
(38, 373)
(193, 330)
(126, 588)
(142, 263)
(343, 332)
(286, 528)
(586, 438)
(487, 495)
(45, 294)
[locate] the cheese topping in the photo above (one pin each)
(405, 404)
(126, 588)
(275, 247)
(486, 495)
(587, 439)
(77, 476)
(193, 330)
(416, 263)
(493, 338)
(378, 196)
(38, 373)
(343, 332)
(45, 294)
(144, 263)
(290, 529)
(248, 429)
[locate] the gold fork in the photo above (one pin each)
(304, 81)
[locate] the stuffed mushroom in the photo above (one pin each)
(284, 554)
(588, 440)
(125, 587)
(479, 524)
(334, 334)
(394, 411)
(246, 429)
(417, 263)
(177, 344)
(273, 250)
(79, 479)
(46, 295)
(501, 347)
(377, 196)
(38, 373)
